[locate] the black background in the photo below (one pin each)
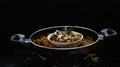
(26, 18)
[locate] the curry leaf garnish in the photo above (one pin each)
(67, 30)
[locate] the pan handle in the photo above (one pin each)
(108, 32)
(19, 38)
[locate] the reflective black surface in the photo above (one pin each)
(27, 57)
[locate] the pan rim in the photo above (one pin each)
(64, 48)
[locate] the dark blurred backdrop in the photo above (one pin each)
(28, 17)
